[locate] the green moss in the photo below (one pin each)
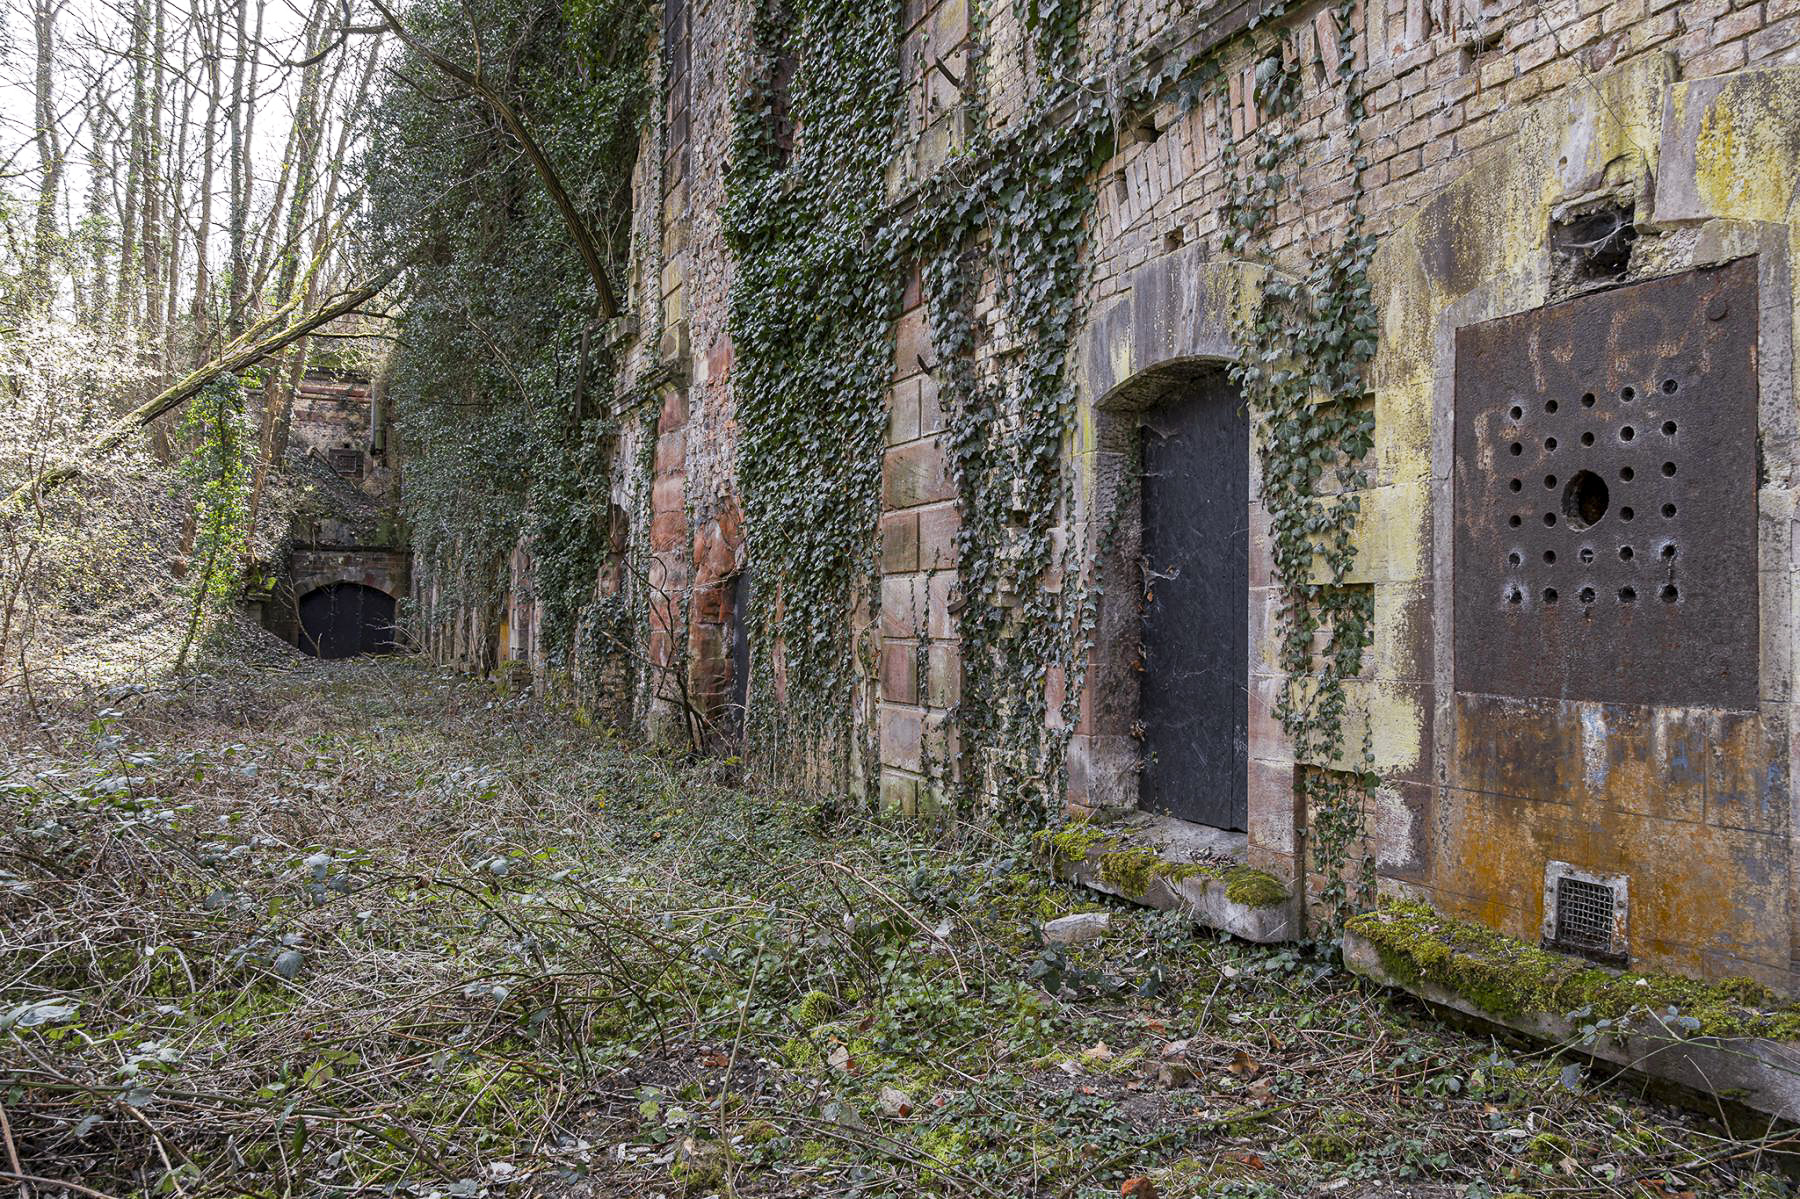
(1508, 978)
(1070, 844)
(1254, 888)
(1129, 871)
(813, 1009)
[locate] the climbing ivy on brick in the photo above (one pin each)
(815, 294)
(1304, 351)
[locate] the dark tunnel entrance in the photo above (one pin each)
(346, 619)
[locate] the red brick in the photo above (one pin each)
(899, 543)
(900, 672)
(915, 474)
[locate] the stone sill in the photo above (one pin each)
(1757, 1073)
(1201, 896)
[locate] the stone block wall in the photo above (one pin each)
(1490, 125)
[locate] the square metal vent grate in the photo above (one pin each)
(1584, 915)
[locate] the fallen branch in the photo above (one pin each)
(231, 362)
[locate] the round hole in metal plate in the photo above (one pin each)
(1670, 594)
(1586, 596)
(1628, 595)
(1584, 500)
(1549, 595)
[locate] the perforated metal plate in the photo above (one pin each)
(1606, 496)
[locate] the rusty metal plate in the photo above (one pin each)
(1606, 496)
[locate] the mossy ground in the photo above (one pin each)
(619, 974)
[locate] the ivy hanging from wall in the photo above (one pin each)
(1304, 350)
(815, 294)
(1007, 219)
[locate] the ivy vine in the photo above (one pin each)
(1304, 351)
(814, 297)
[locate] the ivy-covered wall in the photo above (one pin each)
(905, 279)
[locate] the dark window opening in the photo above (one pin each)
(1592, 248)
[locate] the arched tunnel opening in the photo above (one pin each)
(342, 620)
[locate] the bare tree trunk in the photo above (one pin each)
(212, 46)
(127, 295)
(243, 130)
(49, 147)
(155, 247)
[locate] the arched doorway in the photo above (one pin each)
(341, 620)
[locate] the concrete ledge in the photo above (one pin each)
(1753, 1072)
(1170, 865)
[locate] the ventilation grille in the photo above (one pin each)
(1584, 915)
(348, 463)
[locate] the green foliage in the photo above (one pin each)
(485, 382)
(216, 476)
(814, 296)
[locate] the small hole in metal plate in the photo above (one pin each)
(1626, 513)
(1587, 439)
(1627, 474)
(1625, 553)
(1668, 511)
(1587, 401)
(1549, 518)
(1549, 595)
(1669, 386)
(1670, 594)
(1627, 433)
(1549, 555)
(1586, 596)
(1668, 470)
(1668, 428)
(1517, 484)
(1586, 555)
(1549, 405)
(1516, 449)
(1628, 394)
(1628, 595)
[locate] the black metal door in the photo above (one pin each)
(1194, 701)
(346, 619)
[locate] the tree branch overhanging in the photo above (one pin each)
(606, 302)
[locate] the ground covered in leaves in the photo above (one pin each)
(336, 929)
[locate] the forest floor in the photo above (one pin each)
(333, 929)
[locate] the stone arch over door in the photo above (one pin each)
(1161, 344)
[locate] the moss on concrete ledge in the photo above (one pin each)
(1254, 888)
(1069, 845)
(1508, 979)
